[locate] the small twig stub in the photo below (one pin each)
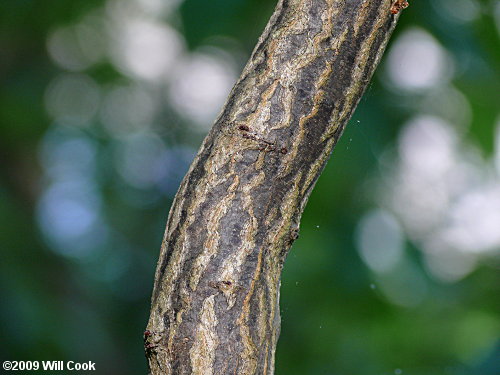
(398, 5)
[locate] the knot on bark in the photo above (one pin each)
(264, 144)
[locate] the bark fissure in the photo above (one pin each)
(215, 304)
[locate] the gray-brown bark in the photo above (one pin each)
(215, 306)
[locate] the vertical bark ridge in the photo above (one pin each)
(215, 304)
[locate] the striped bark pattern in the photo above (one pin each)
(215, 304)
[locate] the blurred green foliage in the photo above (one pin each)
(93, 147)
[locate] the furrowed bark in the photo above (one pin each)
(215, 307)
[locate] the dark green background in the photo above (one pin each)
(55, 305)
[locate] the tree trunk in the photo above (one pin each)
(215, 303)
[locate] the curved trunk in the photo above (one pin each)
(215, 306)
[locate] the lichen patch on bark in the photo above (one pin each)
(202, 353)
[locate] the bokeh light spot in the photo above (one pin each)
(145, 49)
(379, 240)
(201, 85)
(127, 108)
(138, 159)
(72, 99)
(68, 216)
(417, 61)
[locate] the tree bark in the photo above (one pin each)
(215, 303)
